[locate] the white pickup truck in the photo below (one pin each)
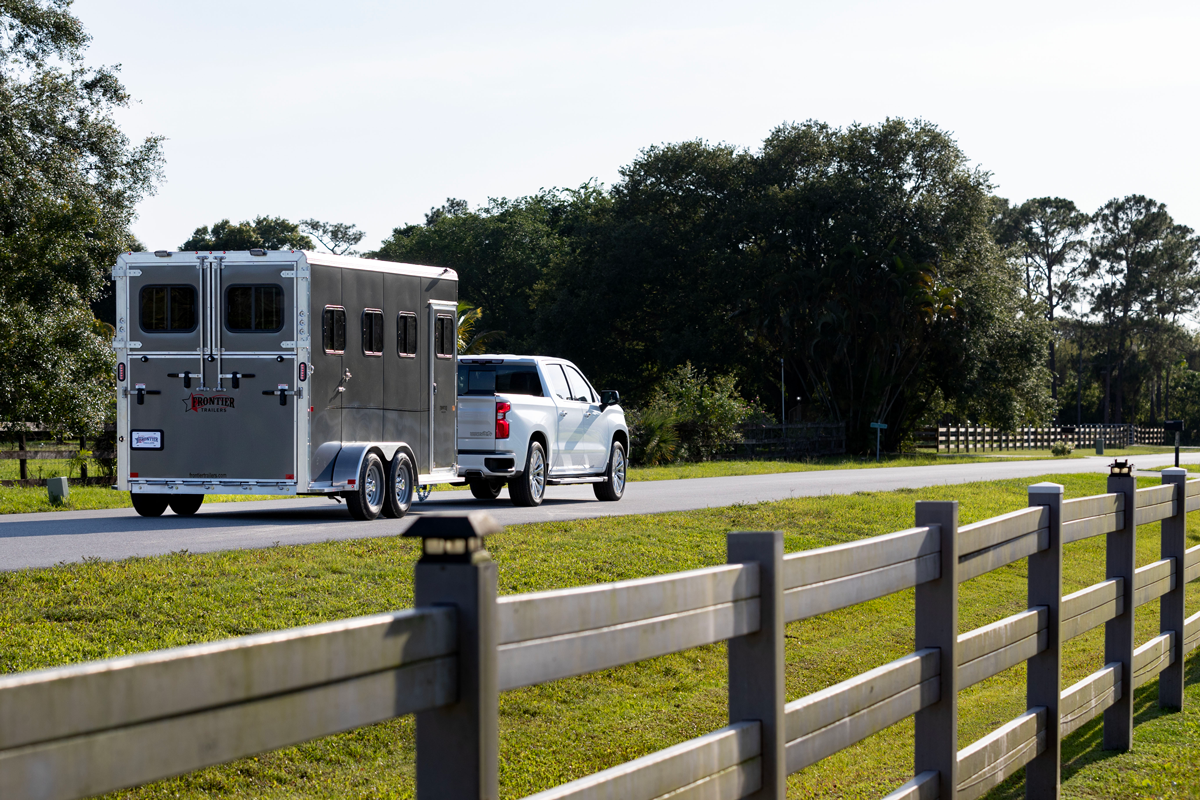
(532, 422)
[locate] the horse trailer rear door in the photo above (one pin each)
(212, 387)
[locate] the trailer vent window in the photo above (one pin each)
(406, 334)
(333, 329)
(254, 309)
(170, 309)
(443, 336)
(372, 332)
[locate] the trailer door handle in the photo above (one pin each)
(141, 393)
(236, 377)
(283, 393)
(187, 377)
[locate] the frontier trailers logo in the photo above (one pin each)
(208, 403)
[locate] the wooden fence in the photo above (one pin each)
(973, 438)
(81, 730)
(794, 440)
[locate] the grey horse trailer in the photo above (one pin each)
(283, 372)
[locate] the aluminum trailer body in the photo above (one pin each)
(281, 372)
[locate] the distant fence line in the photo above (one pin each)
(86, 729)
(977, 438)
(796, 439)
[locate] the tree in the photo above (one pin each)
(266, 233)
(1145, 275)
(336, 237)
(1049, 233)
(70, 181)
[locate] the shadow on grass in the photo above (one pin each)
(1085, 746)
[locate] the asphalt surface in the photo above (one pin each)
(39, 540)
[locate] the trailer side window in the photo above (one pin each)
(333, 329)
(251, 309)
(372, 332)
(406, 334)
(168, 309)
(443, 336)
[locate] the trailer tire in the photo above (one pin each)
(185, 505)
(366, 501)
(401, 485)
(486, 488)
(148, 505)
(529, 488)
(613, 488)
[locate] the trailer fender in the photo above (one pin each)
(323, 462)
(348, 463)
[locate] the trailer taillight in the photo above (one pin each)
(502, 409)
(121, 372)
(303, 371)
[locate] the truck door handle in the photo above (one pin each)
(562, 413)
(187, 377)
(236, 378)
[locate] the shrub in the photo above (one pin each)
(654, 438)
(706, 413)
(1061, 448)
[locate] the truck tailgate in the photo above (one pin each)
(477, 422)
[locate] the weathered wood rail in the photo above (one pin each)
(90, 728)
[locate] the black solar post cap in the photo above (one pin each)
(454, 538)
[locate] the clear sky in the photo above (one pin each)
(373, 112)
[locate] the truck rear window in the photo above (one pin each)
(499, 379)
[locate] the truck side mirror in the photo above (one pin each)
(609, 397)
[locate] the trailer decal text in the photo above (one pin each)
(219, 403)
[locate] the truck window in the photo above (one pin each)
(333, 330)
(557, 382)
(406, 334)
(580, 390)
(502, 379)
(372, 332)
(168, 309)
(443, 336)
(251, 309)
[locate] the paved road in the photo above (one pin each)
(38, 540)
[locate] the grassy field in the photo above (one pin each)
(574, 727)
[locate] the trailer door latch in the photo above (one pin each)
(283, 391)
(187, 377)
(141, 391)
(236, 378)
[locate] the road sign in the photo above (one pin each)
(878, 425)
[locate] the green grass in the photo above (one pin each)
(33, 499)
(570, 728)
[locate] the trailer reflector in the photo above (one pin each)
(133, 474)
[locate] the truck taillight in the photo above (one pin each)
(502, 409)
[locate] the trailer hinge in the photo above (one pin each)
(288, 273)
(126, 273)
(134, 345)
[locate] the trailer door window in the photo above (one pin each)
(251, 309)
(406, 334)
(333, 329)
(168, 309)
(372, 332)
(443, 336)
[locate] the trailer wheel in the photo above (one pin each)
(366, 501)
(185, 504)
(613, 488)
(149, 505)
(486, 488)
(529, 489)
(401, 483)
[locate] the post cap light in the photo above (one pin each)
(1173, 425)
(454, 538)
(1120, 468)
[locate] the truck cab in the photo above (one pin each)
(534, 421)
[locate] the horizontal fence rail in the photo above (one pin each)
(81, 730)
(975, 438)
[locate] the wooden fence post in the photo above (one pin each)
(1044, 675)
(936, 746)
(24, 465)
(756, 663)
(1119, 643)
(458, 746)
(1172, 609)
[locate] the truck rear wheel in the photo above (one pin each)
(401, 485)
(186, 504)
(529, 489)
(613, 488)
(149, 505)
(486, 488)
(366, 501)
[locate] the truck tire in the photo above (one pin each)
(486, 488)
(529, 488)
(401, 485)
(185, 505)
(366, 501)
(149, 505)
(613, 488)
